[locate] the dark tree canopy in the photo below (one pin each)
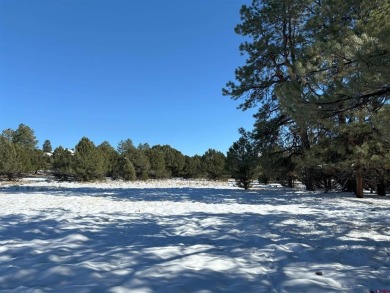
(242, 160)
(318, 72)
(46, 147)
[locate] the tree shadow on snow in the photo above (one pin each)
(57, 250)
(263, 195)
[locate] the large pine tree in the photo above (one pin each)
(315, 69)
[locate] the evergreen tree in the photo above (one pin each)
(174, 160)
(110, 158)
(125, 146)
(279, 166)
(62, 164)
(348, 74)
(126, 169)
(194, 167)
(39, 160)
(8, 158)
(144, 146)
(137, 157)
(46, 147)
(275, 28)
(140, 162)
(242, 160)
(24, 153)
(214, 164)
(25, 137)
(314, 68)
(88, 161)
(7, 134)
(157, 164)
(379, 160)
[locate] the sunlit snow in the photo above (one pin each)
(189, 236)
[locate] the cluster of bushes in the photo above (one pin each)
(19, 155)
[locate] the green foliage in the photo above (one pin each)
(319, 73)
(194, 167)
(279, 166)
(141, 163)
(126, 169)
(62, 164)
(110, 159)
(25, 137)
(214, 164)
(88, 161)
(46, 147)
(242, 160)
(7, 134)
(8, 158)
(19, 153)
(157, 164)
(24, 160)
(125, 146)
(174, 160)
(39, 160)
(137, 157)
(144, 146)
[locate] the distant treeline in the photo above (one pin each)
(20, 155)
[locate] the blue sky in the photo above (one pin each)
(148, 70)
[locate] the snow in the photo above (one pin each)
(189, 236)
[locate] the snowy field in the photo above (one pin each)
(190, 236)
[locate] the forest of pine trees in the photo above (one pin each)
(20, 155)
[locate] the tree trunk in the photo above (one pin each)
(359, 183)
(309, 178)
(290, 182)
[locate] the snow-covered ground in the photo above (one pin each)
(190, 236)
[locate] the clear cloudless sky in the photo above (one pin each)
(148, 70)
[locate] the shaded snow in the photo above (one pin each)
(189, 236)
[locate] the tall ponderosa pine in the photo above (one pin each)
(314, 67)
(275, 28)
(347, 74)
(25, 137)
